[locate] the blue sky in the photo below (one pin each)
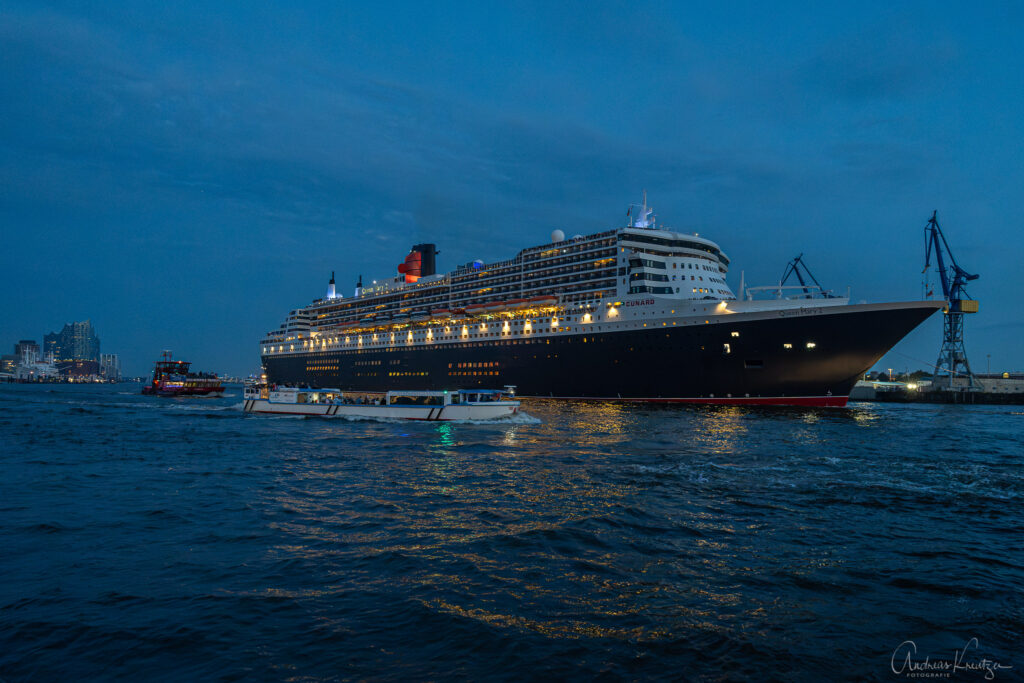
(185, 173)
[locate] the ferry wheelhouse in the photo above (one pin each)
(635, 313)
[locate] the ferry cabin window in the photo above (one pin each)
(417, 400)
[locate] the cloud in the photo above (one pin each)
(884, 62)
(276, 146)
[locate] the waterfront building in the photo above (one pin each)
(76, 349)
(110, 366)
(51, 344)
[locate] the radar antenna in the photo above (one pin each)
(640, 215)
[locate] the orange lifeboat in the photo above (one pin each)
(516, 304)
(495, 307)
(543, 300)
(440, 313)
(475, 309)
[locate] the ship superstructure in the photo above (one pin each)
(635, 313)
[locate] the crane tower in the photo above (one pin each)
(952, 363)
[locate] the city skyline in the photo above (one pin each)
(183, 175)
(72, 352)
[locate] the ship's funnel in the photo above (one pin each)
(419, 263)
(331, 291)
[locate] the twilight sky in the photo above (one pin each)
(185, 173)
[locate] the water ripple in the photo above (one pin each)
(149, 538)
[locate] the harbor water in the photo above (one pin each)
(181, 539)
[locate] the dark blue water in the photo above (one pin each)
(183, 540)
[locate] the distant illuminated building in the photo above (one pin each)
(76, 349)
(110, 366)
(51, 344)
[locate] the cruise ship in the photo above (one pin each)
(637, 313)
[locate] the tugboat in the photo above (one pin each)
(172, 378)
(428, 405)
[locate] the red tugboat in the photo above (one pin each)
(172, 378)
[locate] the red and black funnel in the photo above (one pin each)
(419, 263)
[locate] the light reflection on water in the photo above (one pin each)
(640, 541)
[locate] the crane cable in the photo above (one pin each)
(931, 365)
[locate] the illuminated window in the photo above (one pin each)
(735, 334)
(811, 345)
(787, 346)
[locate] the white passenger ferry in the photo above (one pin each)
(431, 406)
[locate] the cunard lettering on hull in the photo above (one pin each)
(635, 313)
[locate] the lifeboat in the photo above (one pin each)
(543, 300)
(495, 307)
(516, 304)
(475, 309)
(440, 313)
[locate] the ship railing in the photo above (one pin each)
(789, 292)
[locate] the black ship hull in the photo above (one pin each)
(769, 358)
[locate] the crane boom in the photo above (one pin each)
(793, 268)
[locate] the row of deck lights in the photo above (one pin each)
(612, 308)
(506, 329)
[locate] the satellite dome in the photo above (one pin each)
(557, 236)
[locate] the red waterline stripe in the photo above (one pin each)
(813, 401)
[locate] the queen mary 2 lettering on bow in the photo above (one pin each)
(800, 311)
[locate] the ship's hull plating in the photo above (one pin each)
(668, 364)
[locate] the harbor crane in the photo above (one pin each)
(793, 268)
(952, 361)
